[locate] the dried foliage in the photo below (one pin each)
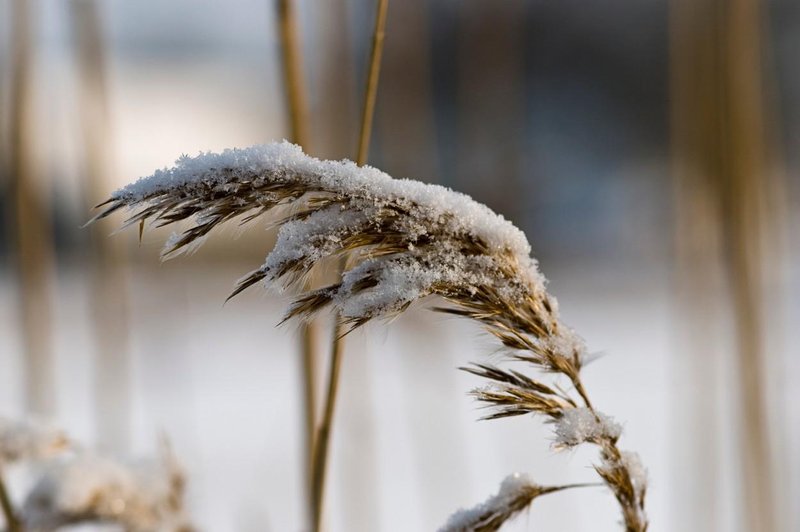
(77, 486)
(516, 494)
(402, 241)
(88, 488)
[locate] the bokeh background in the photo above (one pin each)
(649, 149)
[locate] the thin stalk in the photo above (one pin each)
(293, 78)
(12, 523)
(322, 439)
(554, 489)
(297, 103)
(107, 271)
(323, 432)
(29, 226)
(370, 95)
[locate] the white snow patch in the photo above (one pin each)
(578, 425)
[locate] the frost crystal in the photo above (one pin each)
(578, 425)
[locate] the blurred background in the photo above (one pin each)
(649, 149)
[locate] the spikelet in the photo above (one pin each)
(515, 495)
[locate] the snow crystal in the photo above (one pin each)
(313, 238)
(512, 487)
(578, 425)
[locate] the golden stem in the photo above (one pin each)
(297, 103)
(293, 73)
(106, 259)
(30, 233)
(371, 92)
(321, 442)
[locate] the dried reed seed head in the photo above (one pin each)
(405, 240)
(83, 488)
(402, 240)
(29, 440)
(512, 394)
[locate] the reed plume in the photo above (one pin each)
(90, 488)
(78, 486)
(400, 241)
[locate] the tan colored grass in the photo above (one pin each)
(479, 276)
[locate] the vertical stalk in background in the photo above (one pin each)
(29, 225)
(373, 75)
(107, 273)
(744, 221)
(322, 440)
(695, 158)
(723, 172)
(294, 82)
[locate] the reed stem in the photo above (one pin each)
(29, 227)
(371, 92)
(322, 439)
(293, 77)
(297, 103)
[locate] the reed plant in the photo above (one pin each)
(74, 485)
(401, 241)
